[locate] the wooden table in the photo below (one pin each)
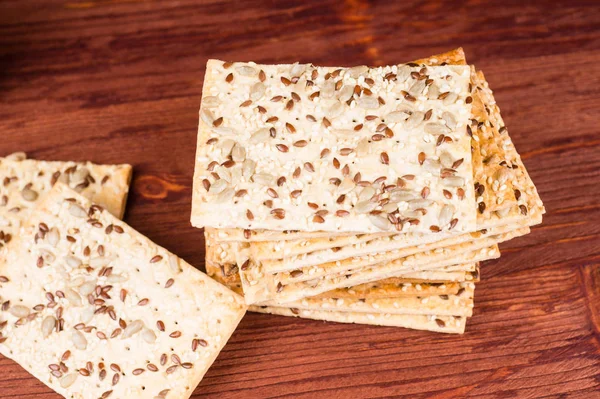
(120, 81)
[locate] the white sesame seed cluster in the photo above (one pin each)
(298, 147)
(95, 310)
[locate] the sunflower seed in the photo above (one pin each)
(19, 311)
(246, 70)
(433, 92)
(68, 380)
(346, 186)
(453, 181)
(327, 89)
(174, 263)
(218, 186)
(356, 71)
(226, 146)
(73, 297)
(148, 336)
(414, 120)
(401, 195)
(396, 116)
(420, 203)
(402, 73)
(248, 168)
(446, 160)
(238, 153)
(436, 128)
(29, 195)
(99, 261)
(365, 206)
(450, 99)
(445, 215)
(346, 93)
(417, 88)
(132, 328)
(450, 120)
(431, 166)
(77, 211)
(79, 340)
(53, 236)
(297, 69)
(264, 179)
(362, 148)
(367, 103)
(257, 91)
(366, 194)
(259, 136)
(380, 222)
(207, 116)
(335, 110)
(80, 175)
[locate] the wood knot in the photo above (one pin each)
(152, 187)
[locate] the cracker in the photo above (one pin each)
(231, 235)
(263, 287)
(260, 286)
(376, 316)
(364, 254)
(245, 180)
(446, 304)
(495, 162)
(395, 287)
(223, 254)
(452, 57)
(387, 299)
(80, 286)
(24, 182)
(429, 282)
(444, 324)
(388, 289)
(515, 192)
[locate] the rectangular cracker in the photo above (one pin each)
(441, 280)
(80, 286)
(215, 255)
(261, 286)
(360, 255)
(316, 173)
(446, 305)
(266, 287)
(443, 324)
(376, 316)
(499, 172)
(395, 287)
(24, 182)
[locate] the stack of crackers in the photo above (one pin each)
(357, 195)
(91, 307)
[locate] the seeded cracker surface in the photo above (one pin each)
(298, 147)
(24, 182)
(93, 309)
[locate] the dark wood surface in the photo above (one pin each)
(120, 81)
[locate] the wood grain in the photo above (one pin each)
(120, 81)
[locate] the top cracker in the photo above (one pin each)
(299, 147)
